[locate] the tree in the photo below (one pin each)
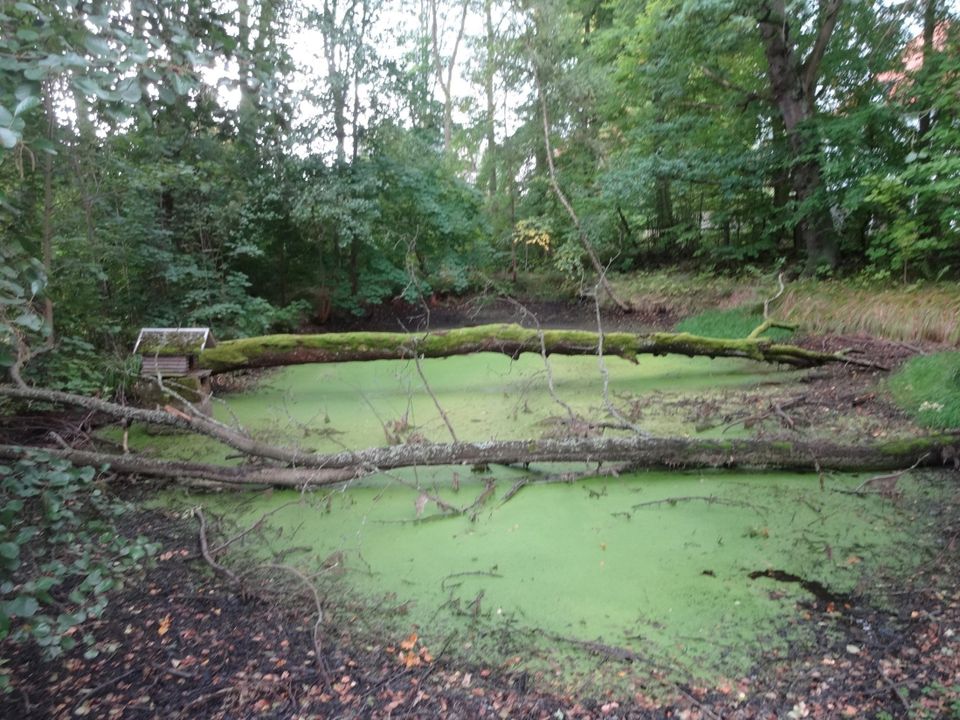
(444, 67)
(793, 87)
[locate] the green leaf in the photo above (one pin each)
(28, 8)
(28, 35)
(22, 606)
(28, 103)
(130, 92)
(97, 45)
(35, 72)
(9, 550)
(86, 86)
(29, 320)
(45, 146)
(5, 117)
(25, 90)
(8, 138)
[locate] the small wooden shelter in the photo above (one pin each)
(171, 355)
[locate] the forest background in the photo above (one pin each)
(256, 165)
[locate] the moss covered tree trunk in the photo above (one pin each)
(274, 350)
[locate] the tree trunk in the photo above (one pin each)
(930, 14)
(445, 74)
(332, 34)
(276, 350)
(555, 185)
(299, 467)
(47, 239)
(488, 74)
(793, 88)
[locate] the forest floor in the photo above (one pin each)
(183, 642)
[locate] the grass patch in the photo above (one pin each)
(732, 323)
(922, 312)
(928, 389)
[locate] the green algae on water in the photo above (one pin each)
(653, 563)
(656, 564)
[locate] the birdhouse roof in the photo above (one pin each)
(173, 341)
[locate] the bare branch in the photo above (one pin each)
(436, 402)
(723, 81)
(584, 241)
(205, 549)
(605, 374)
(829, 13)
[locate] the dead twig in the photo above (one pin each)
(205, 549)
(887, 482)
(551, 388)
(474, 508)
(603, 366)
(253, 528)
(469, 573)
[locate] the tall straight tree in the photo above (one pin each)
(444, 66)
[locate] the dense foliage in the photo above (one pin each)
(182, 164)
(60, 552)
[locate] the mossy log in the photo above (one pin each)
(512, 340)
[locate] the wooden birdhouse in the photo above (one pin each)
(169, 366)
(171, 352)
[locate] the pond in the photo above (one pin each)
(697, 575)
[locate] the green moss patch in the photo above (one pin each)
(927, 388)
(733, 323)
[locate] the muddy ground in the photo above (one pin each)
(449, 313)
(182, 641)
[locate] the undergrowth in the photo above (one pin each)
(928, 388)
(732, 323)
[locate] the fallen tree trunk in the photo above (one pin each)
(200, 424)
(512, 340)
(297, 467)
(190, 472)
(652, 453)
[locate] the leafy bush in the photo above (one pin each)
(75, 366)
(60, 552)
(21, 281)
(927, 388)
(733, 323)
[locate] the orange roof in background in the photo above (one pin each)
(912, 59)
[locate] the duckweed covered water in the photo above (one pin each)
(598, 561)
(591, 562)
(486, 396)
